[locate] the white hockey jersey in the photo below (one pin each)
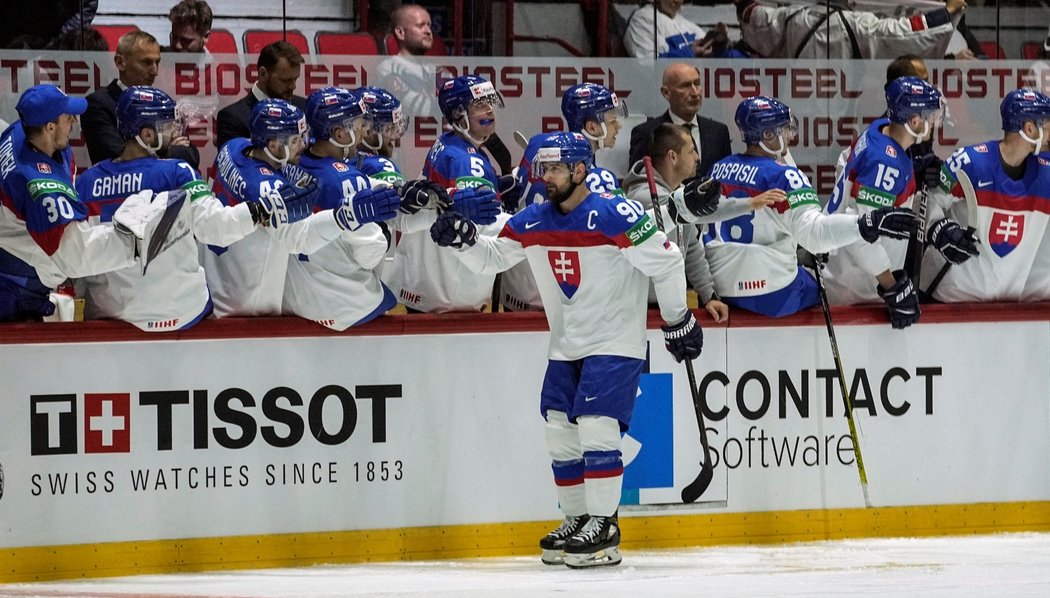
(1011, 223)
(592, 267)
(755, 254)
(173, 292)
(247, 278)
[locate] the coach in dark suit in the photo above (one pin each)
(684, 94)
(280, 65)
(137, 59)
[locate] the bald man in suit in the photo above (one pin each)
(684, 94)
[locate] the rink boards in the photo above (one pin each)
(266, 442)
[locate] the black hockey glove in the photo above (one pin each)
(509, 193)
(927, 169)
(701, 195)
(453, 230)
(954, 242)
(901, 300)
(367, 205)
(422, 194)
(685, 339)
(477, 204)
(892, 223)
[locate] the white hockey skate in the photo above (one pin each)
(553, 544)
(597, 544)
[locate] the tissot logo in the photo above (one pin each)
(53, 424)
(232, 418)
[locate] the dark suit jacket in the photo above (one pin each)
(714, 141)
(99, 123)
(232, 121)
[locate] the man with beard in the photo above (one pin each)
(280, 65)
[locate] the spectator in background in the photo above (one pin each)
(38, 24)
(685, 94)
(190, 26)
(137, 59)
(676, 36)
(280, 65)
(87, 39)
(817, 32)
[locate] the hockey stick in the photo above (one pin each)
(703, 479)
(971, 219)
(847, 401)
(917, 243)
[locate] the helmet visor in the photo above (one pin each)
(618, 112)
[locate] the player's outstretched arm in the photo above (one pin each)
(481, 253)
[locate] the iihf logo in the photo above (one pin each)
(53, 424)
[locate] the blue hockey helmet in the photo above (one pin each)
(275, 119)
(142, 107)
(331, 107)
(755, 116)
(455, 96)
(388, 119)
(907, 96)
(586, 101)
(1023, 105)
(564, 148)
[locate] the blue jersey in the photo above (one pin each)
(38, 189)
(454, 162)
(378, 167)
(105, 185)
(240, 177)
(599, 180)
(878, 174)
(337, 178)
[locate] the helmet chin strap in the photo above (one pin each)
(465, 132)
(377, 146)
(1037, 142)
(346, 147)
(282, 161)
(152, 150)
(599, 140)
(918, 136)
(779, 153)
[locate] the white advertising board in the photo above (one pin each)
(117, 441)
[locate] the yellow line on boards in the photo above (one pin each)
(640, 532)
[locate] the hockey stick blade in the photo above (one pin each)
(707, 471)
(520, 139)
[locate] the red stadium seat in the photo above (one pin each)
(222, 41)
(112, 33)
(1032, 50)
(257, 39)
(361, 44)
(993, 50)
(438, 48)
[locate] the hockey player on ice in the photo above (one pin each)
(595, 112)
(592, 256)
(879, 173)
(753, 256)
(248, 278)
(1011, 184)
(172, 294)
(423, 278)
(336, 285)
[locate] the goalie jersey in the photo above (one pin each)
(878, 174)
(1011, 223)
(592, 267)
(173, 293)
